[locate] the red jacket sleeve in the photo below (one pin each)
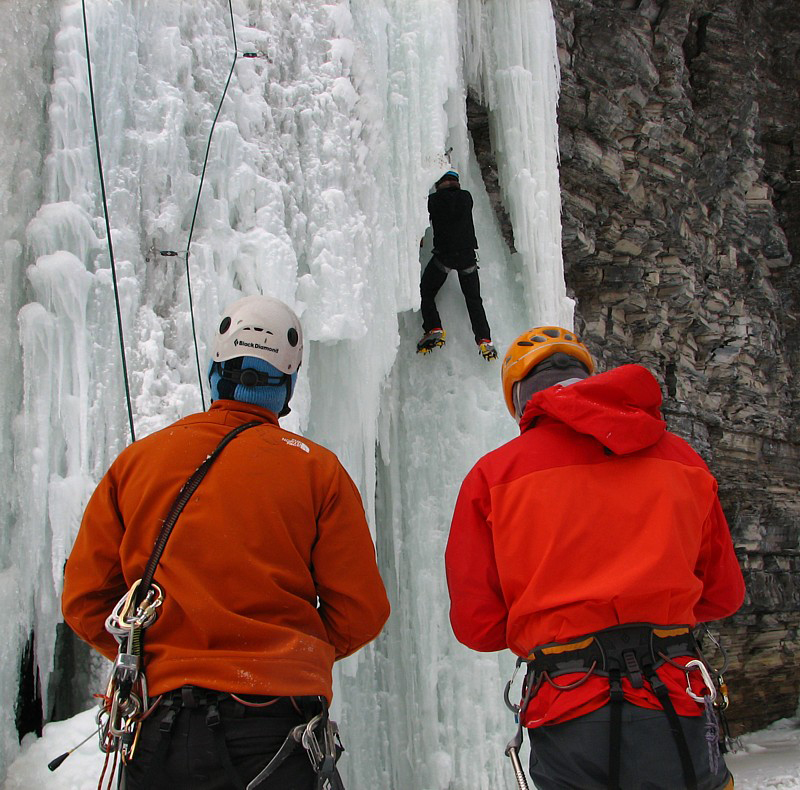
(353, 605)
(478, 611)
(93, 580)
(718, 569)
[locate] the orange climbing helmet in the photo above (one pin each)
(533, 347)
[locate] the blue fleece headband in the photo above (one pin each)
(275, 398)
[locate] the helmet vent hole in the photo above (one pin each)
(292, 337)
(539, 339)
(524, 343)
(551, 332)
(225, 325)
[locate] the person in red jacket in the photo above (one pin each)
(590, 546)
(268, 577)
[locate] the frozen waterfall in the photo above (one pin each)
(332, 132)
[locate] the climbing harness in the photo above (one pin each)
(634, 652)
(126, 703)
(166, 252)
(319, 735)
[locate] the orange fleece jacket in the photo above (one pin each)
(269, 575)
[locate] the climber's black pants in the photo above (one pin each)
(575, 754)
(189, 756)
(433, 279)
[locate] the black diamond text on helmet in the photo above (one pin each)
(254, 345)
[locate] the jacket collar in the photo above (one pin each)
(243, 412)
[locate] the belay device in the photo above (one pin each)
(632, 651)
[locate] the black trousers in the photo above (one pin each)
(433, 279)
(574, 755)
(191, 759)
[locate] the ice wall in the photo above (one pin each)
(25, 66)
(325, 149)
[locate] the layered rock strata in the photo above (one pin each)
(680, 175)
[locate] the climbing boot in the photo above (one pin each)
(487, 350)
(431, 340)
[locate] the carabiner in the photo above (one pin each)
(506, 693)
(310, 742)
(695, 663)
(145, 612)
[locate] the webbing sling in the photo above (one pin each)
(185, 494)
(146, 583)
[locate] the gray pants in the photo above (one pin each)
(574, 755)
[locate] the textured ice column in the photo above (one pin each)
(315, 192)
(25, 44)
(512, 64)
(423, 711)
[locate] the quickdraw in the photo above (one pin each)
(123, 706)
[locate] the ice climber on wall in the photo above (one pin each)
(454, 245)
(268, 577)
(591, 546)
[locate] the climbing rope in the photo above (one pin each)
(166, 253)
(108, 225)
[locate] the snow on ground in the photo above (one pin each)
(769, 759)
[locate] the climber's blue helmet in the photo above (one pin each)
(257, 351)
(450, 175)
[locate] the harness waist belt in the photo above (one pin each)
(623, 648)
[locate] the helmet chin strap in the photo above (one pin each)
(249, 377)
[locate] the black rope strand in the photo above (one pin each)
(108, 225)
(197, 203)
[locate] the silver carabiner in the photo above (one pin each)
(311, 744)
(695, 663)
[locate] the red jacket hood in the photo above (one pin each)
(620, 408)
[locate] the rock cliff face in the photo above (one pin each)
(680, 174)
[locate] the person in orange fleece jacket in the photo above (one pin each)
(269, 576)
(590, 546)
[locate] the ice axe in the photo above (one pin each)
(53, 764)
(512, 751)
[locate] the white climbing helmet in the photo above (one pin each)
(263, 327)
